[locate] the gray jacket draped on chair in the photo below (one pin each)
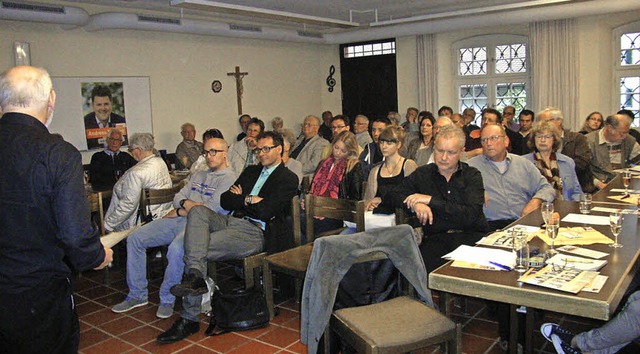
(333, 256)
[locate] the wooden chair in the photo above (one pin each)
(399, 325)
(96, 205)
(251, 264)
(294, 262)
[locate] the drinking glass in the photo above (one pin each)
(547, 212)
(521, 250)
(552, 232)
(585, 203)
(615, 221)
(626, 180)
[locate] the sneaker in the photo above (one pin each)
(128, 305)
(549, 329)
(563, 347)
(192, 285)
(164, 311)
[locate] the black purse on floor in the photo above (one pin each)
(238, 310)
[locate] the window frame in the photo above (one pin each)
(620, 71)
(491, 78)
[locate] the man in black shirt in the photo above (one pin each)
(108, 166)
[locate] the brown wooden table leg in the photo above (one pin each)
(528, 334)
(513, 329)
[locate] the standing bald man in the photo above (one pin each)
(45, 218)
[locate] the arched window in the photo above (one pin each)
(492, 71)
(627, 69)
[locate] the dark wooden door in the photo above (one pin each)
(369, 85)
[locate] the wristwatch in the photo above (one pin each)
(182, 203)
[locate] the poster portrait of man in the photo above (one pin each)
(104, 109)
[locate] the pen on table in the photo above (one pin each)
(573, 260)
(501, 266)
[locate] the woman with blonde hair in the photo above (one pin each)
(338, 176)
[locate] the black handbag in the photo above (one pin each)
(237, 310)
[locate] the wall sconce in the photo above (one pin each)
(22, 53)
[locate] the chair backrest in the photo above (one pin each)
(333, 208)
(149, 197)
(96, 205)
(295, 221)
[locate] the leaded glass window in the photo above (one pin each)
(630, 49)
(370, 49)
(473, 61)
(630, 95)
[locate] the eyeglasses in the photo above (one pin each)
(492, 138)
(264, 149)
(112, 139)
(131, 149)
(388, 141)
(338, 127)
(212, 152)
(544, 137)
(310, 124)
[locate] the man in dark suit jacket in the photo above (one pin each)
(261, 193)
(102, 116)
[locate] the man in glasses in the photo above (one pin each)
(203, 189)
(339, 124)
(111, 163)
(241, 152)
(262, 194)
(308, 149)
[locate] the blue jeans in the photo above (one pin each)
(615, 334)
(159, 232)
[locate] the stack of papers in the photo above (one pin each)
(586, 219)
(113, 238)
(504, 239)
(584, 252)
(483, 258)
(563, 279)
(576, 236)
(575, 262)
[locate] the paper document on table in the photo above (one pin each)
(596, 284)
(629, 198)
(575, 262)
(483, 256)
(576, 236)
(584, 252)
(559, 278)
(621, 190)
(463, 264)
(113, 238)
(586, 219)
(504, 239)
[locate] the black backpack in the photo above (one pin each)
(238, 310)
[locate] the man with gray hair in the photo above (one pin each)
(612, 148)
(439, 193)
(573, 145)
(308, 148)
(189, 149)
(44, 224)
(109, 165)
(361, 129)
(150, 172)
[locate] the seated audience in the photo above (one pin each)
(109, 165)
(204, 188)
(469, 115)
(361, 129)
(339, 124)
(458, 120)
(573, 145)
(632, 131)
(338, 176)
(241, 152)
(292, 164)
(244, 121)
(371, 154)
(525, 118)
(558, 169)
(593, 122)
(390, 172)
(262, 194)
(473, 146)
(445, 111)
(201, 163)
(308, 148)
(420, 150)
(395, 118)
(277, 124)
(508, 114)
(150, 172)
(611, 148)
(189, 149)
(614, 335)
(447, 197)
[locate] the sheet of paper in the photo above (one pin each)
(576, 236)
(575, 262)
(585, 252)
(596, 284)
(586, 219)
(483, 256)
(612, 210)
(631, 198)
(621, 190)
(564, 279)
(113, 238)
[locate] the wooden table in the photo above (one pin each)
(504, 287)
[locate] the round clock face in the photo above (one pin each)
(216, 86)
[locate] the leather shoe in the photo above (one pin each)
(180, 330)
(192, 285)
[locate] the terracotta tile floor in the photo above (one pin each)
(103, 331)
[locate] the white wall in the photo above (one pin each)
(285, 79)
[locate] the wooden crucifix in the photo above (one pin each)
(239, 89)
